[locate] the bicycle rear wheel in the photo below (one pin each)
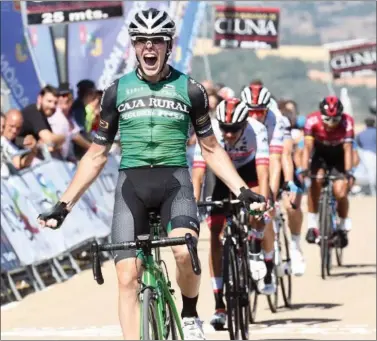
(170, 323)
(149, 316)
(231, 288)
(325, 236)
(253, 299)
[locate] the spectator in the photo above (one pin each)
(209, 86)
(63, 124)
(366, 141)
(213, 100)
(226, 92)
(9, 150)
(36, 120)
(2, 123)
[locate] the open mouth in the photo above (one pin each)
(150, 60)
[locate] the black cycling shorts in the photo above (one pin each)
(248, 173)
(167, 190)
(330, 158)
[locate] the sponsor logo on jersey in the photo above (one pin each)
(161, 103)
(103, 124)
(202, 120)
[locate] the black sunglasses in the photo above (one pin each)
(230, 128)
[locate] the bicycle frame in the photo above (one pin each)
(327, 192)
(154, 278)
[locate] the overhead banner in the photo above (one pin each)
(182, 54)
(357, 60)
(59, 12)
(17, 68)
(42, 45)
(247, 27)
(90, 45)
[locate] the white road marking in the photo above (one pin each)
(115, 331)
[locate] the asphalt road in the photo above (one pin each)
(341, 308)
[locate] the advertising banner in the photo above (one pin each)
(9, 259)
(357, 60)
(246, 27)
(42, 45)
(59, 12)
(17, 68)
(90, 45)
(185, 40)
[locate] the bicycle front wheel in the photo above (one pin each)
(231, 288)
(286, 279)
(244, 289)
(325, 236)
(149, 316)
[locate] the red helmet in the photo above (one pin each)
(331, 106)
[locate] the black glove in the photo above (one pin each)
(58, 212)
(249, 197)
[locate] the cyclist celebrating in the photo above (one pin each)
(153, 107)
(329, 134)
(246, 144)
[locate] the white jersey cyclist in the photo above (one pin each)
(252, 144)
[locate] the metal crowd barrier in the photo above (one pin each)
(25, 247)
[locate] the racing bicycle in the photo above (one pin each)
(159, 316)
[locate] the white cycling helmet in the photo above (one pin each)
(256, 95)
(232, 112)
(152, 22)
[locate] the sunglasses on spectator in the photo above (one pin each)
(155, 40)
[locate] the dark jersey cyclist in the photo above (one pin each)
(153, 108)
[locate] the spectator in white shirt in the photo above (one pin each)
(9, 150)
(62, 123)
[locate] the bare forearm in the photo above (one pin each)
(81, 141)
(305, 157)
(27, 160)
(264, 188)
(348, 158)
(287, 165)
(220, 163)
(197, 181)
(88, 169)
(275, 171)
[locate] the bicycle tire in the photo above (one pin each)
(339, 255)
(170, 324)
(324, 232)
(244, 301)
(273, 300)
(286, 288)
(253, 299)
(149, 317)
(231, 288)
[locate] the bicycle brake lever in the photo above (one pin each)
(96, 264)
(191, 243)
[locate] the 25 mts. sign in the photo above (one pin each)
(58, 12)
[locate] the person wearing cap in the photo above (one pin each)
(63, 123)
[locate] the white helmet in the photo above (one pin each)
(152, 22)
(256, 95)
(232, 111)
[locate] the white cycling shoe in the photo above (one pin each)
(298, 264)
(218, 320)
(257, 266)
(192, 328)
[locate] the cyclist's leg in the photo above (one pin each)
(295, 218)
(215, 222)
(179, 214)
(129, 220)
(317, 167)
(341, 189)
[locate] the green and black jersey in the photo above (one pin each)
(153, 118)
